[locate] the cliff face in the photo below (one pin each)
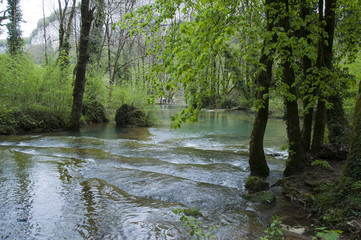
(52, 31)
(36, 42)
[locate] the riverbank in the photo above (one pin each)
(330, 200)
(42, 119)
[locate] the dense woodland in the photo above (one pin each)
(298, 60)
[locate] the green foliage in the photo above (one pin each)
(25, 87)
(274, 231)
(130, 116)
(348, 29)
(131, 94)
(325, 234)
(338, 202)
(276, 106)
(93, 112)
(14, 40)
(96, 85)
(322, 163)
(34, 118)
(194, 212)
(195, 226)
(197, 52)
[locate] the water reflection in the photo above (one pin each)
(22, 191)
(89, 228)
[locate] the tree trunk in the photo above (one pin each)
(337, 123)
(353, 164)
(325, 56)
(257, 160)
(45, 37)
(64, 34)
(319, 127)
(79, 85)
(97, 36)
(296, 158)
(307, 80)
(336, 119)
(307, 126)
(14, 41)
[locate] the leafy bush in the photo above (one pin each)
(33, 118)
(338, 202)
(94, 111)
(274, 231)
(130, 116)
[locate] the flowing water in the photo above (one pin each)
(106, 182)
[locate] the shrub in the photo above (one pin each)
(130, 116)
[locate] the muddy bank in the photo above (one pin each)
(325, 197)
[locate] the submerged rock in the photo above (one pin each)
(130, 116)
(263, 197)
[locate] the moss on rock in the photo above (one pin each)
(256, 184)
(30, 119)
(94, 112)
(263, 197)
(130, 116)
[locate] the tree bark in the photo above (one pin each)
(337, 123)
(64, 33)
(353, 164)
(45, 37)
(97, 36)
(14, 41)
(257, 160)
(296, 158)
(325, 56)
(336, 119)
(319, 127)
(80, 71)
(307, 80)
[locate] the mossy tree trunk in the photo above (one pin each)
(337, 123)
(14, 41)
(96, 42)
(307, 79)
(257, 160)
(296, 158)
(64, 32)
(319, 127)
(80, 70)
(325, 57)
(353, 163)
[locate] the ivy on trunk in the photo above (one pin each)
(80, 69)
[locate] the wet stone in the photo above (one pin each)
(263, 197)
(256, 184)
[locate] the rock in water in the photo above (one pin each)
(130, 116)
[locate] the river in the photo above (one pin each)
(106, 182)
